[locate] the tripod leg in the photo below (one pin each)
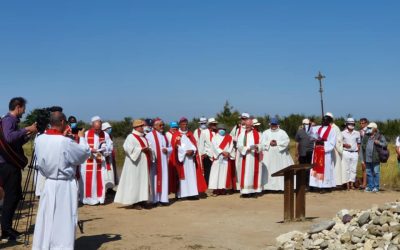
(32, 199)
(24, 192)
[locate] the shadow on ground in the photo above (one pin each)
(95, 241)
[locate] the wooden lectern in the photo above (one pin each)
(288, 207)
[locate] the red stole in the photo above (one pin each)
(143, 145)
(51, 131)
(319, 155)
(256, 137)
(159, 161)
(230, 175)
(176, 141)
(89, 167)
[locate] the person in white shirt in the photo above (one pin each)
(351, 146)
(206, 153)
(57, 157)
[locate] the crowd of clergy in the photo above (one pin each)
(186, 163)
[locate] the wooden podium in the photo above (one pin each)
(288, 207)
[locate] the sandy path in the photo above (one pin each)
(224, 222)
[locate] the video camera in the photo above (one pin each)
(43, 117)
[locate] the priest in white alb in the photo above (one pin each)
(222, 170)
(133, 188)
(275, 144)
(161, 150)
(323, 174)
(187, 163)
(94, 181)
(236, 131)
(249, 148)
(57, 158)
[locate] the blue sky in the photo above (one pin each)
(175, 58)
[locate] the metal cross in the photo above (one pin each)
(319, 77)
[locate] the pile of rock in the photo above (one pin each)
(375, 228)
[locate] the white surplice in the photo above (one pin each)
(243, 149)
(219, 168)
(163, 143)
(107, 180)
(57, 216)
(340, 171)
(187, 186)
(236, 131)
(329, 171)
(134, 182)
(275, 158)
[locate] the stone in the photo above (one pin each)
(396, 210)
(363, 219)
(339, 228)
(383, 220)
(392, 247)
(368, 245)
(358, 233)
(282, 239)
(376, 220)
(355, 239)
(347, 218)
(385, 228)
(374, 230)
(387, 236)
(325, 225)
(345, 238)
(342, 213)
(318, 242)
(324, 244)
(384, 207)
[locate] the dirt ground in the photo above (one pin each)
(223, 222)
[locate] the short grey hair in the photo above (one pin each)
(56, 118)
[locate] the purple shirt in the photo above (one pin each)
(14, 136)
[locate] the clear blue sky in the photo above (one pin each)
(175, 58)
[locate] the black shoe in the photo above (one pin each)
(8, 235)
(15, 232)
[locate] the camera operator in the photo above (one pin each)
(10, 173)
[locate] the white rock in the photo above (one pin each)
(282, 239)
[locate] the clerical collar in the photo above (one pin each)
(183, 132)
(137, 132)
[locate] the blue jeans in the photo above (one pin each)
(373, 174)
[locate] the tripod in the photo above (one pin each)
(28, 198)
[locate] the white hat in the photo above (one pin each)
(95, 118)
(256, 122)
(105, 126)
(329, 114)
(212, 120)
(306, 121)
(203, 120)
(372, 125)
(350, 120)
(245, 115)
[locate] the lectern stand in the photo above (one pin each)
(288, 207)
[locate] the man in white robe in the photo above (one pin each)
(93, 181)
(197, 133)
(161, 150)
(249, 147)
(236, 131)
(340, 171)
(133, 188)
(222, 171)
(205, 142)
(187, 163)
(275, 144)
(325, 137)
(58, 157)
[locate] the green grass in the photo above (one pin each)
(390, 178)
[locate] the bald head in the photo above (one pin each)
(58, 120)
